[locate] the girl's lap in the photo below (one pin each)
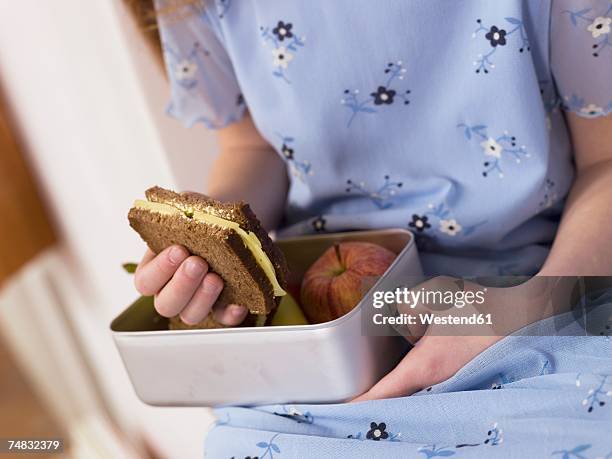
(532, 395)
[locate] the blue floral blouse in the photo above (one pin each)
(444, 118)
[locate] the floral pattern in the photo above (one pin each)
(495, 148)
(283, 30)
(498, 37)
(282, 57)
(381, 196)
(285, 44)
(599, 26)
(550, 194)
(450, 227)
(504, 378)
(577, 452)
(287, 152)
(223, 7)
(268, 447)
(419, 223)
(436, 451)
(296, 415)
(377, 432)
(519, 363)
(386, 99)
(550, 99)
(597, 394)
(298, 168)
(587, 110)
(318, 224)
(184, 68)
(447, 224)
(385, 94)
(494, 438)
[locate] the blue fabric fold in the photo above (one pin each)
(530, 395)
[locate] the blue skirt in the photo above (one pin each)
(544, 393)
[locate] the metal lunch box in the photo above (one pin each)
(322, 363)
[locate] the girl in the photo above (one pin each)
(481, 126)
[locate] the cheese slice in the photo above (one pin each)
(250, 239)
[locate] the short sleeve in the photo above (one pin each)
(204, 87)
(581, 55)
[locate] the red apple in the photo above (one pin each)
(332, 286)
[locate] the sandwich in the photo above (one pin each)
(228, 236)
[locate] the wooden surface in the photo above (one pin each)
(25, 228)
(22, 414)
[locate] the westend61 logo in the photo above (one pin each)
(424, 297)
(431, 306)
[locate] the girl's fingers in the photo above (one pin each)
(403, 380)
(432, 360)
(154, 271)
(147, 257)
(230, 315)
(426, 364)
(181, 288)
(202, 301)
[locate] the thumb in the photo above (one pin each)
(412, 374)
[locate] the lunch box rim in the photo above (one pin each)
(279, 328)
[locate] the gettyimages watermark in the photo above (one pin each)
(488, 306)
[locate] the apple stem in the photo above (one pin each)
(337, 249)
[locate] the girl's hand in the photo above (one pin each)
(432, 360)
(182, 285)
(436, 355)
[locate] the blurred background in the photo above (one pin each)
(83, 132)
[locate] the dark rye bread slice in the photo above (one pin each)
(223, 249)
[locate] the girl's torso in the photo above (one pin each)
(440, 117)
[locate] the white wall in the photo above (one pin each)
(90, 100)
